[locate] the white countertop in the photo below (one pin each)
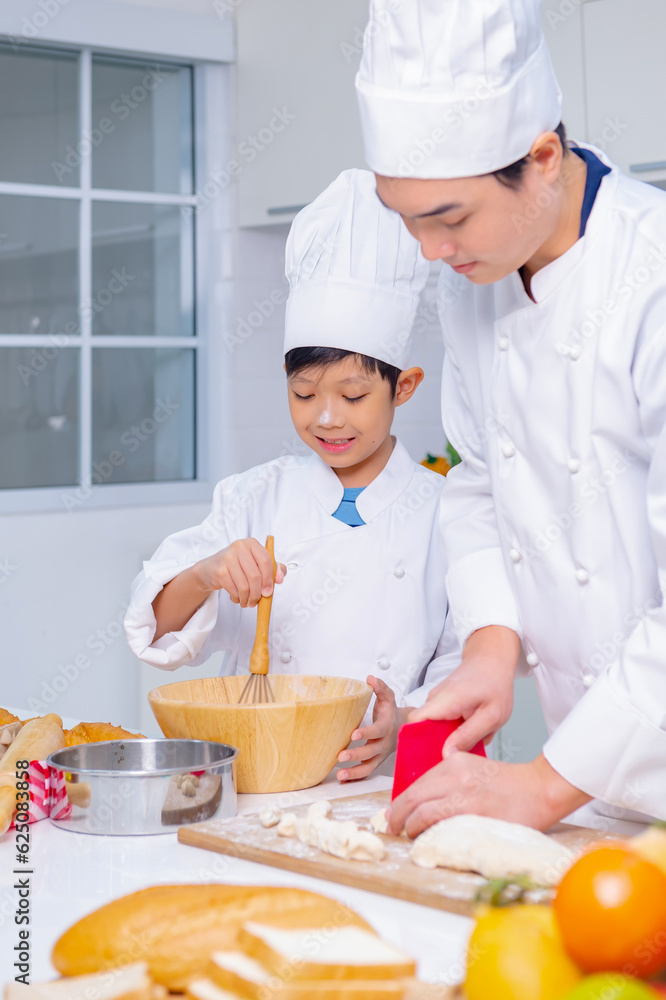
(75, 874)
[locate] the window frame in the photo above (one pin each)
(213, 300)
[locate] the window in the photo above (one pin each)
(98, 339)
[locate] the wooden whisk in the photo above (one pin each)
(258, 689)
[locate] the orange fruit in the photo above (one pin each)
(611, 910)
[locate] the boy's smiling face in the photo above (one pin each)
(344, 414)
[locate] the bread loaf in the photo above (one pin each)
(176, 928)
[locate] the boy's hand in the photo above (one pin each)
(244, 569)
(480, 690)
(381, 736)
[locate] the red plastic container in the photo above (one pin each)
(420, 747)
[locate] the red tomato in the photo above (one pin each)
(611, 909)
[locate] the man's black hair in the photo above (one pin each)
(512, 175)
(301, 358)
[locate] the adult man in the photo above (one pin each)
(555, 340)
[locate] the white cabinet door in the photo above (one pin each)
(624, 77)
(298, 123)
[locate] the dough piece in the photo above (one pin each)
(334, 837)
(492, 847)
(287, 825)
(365, 846)
(270, 817)
(379, 822)
(340, 839)
(320, 809)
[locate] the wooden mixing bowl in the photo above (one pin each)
(288, 744)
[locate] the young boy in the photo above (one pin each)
(361, 573)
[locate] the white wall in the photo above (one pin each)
(61, 604)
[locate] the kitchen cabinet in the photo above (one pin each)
(298, 123)
(624, 82)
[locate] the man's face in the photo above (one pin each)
(481, 227)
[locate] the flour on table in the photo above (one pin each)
(492, 847)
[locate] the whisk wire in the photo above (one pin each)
(258, 690)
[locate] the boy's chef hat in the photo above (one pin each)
(355, 273)
(454, 88)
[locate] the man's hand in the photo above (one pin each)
(244, 569)
(480, 690)
(381, 736)
(533, 794)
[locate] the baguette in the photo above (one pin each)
(176, 928)
(335, 953)
(238, 973)
(131, 982)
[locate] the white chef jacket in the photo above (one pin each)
(355, 601)
(555, 522)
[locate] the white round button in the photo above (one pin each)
(515, 555)
(573, 465)
(532, 660)
(503, 343)
(582, 576)
(292, 565)
(508, 450)
(588, 680)
(285, 656)
(574, 353)
(383, 663)
(399, 572)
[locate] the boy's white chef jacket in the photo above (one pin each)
(555, 523)
(355, 601)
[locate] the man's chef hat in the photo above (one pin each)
(355, 273)
(454, 88)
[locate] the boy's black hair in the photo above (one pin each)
(511, 175)
(301, 358)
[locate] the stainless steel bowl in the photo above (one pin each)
(144, 786)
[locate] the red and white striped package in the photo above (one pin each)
(48, 793)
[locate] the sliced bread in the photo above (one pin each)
(128, 982)
(324, 953)
(206, 989)
(238, 973)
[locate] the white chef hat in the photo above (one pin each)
(454, 88)
(355, 273)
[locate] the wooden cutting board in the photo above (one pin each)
(396, 876)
